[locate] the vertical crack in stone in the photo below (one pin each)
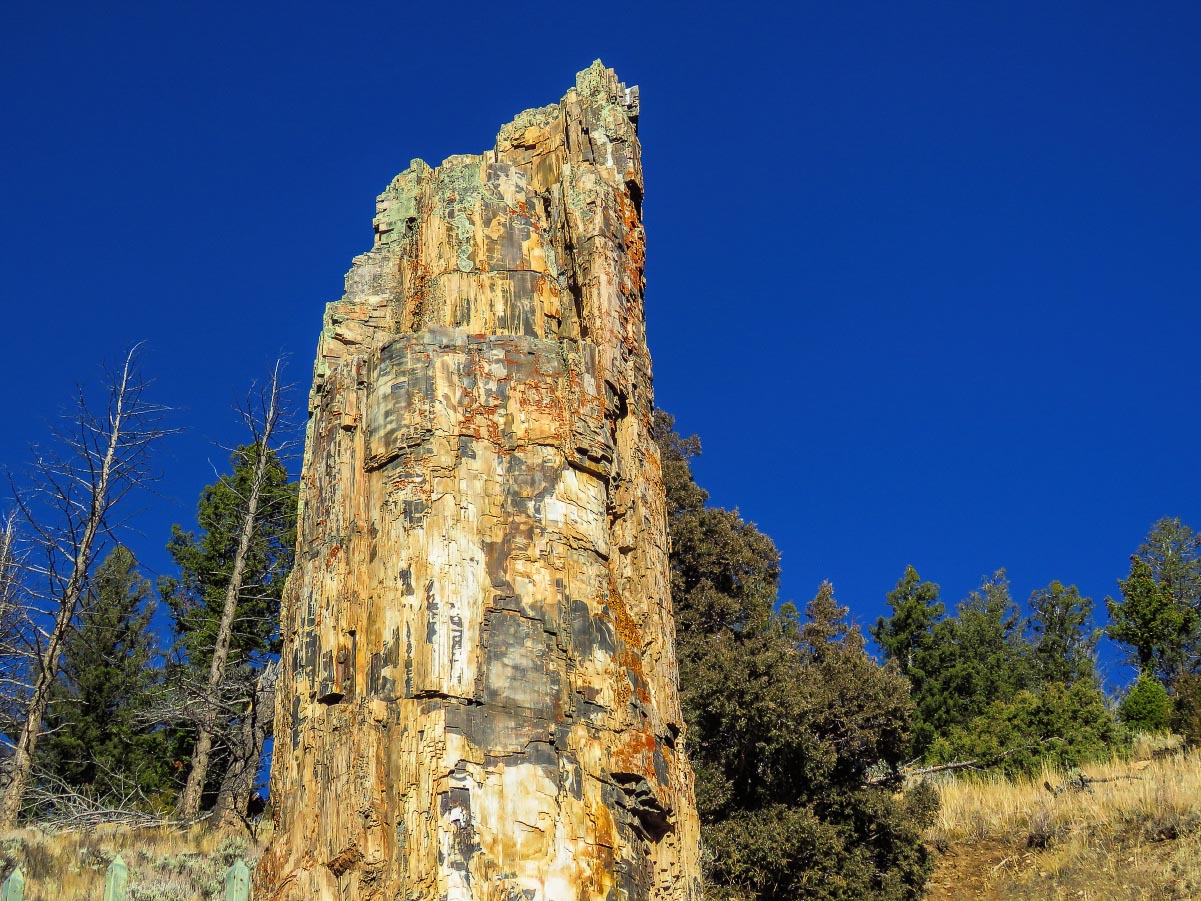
(478, 677)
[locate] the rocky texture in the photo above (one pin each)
(478, 691)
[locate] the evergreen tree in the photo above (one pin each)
(785, 718)
(907, 640)
(1055, 724)
(1149, 619)
(1159, 615)
(974, 659)
(857, 706)
(208, 563)
(1186, 708)
(1005, 701)
(1063, 635)
(996, 698)
(95, 739)
(1147, 707)
(916, 609)
(1173, 552)
(103, 454)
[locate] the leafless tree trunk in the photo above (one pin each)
(263, 424)
(14, 650)
(105, 458)
(10, 613)
(8, 564)
(234, 797)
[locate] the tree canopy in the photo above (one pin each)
(99, 740)
(206, 560)
(788, 717)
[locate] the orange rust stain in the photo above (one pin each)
(599, 860)
(630, 655)
(333, 555)
(627, 629)
(635, 240)
(636, 755)
(623, 693)
(417, 281)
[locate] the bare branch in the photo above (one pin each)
(67, 511)
(220, 702)
(60, 805)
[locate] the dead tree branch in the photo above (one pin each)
(68, 512)
(262, 415)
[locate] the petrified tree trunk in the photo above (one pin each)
(478, 690)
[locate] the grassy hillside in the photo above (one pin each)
(1136, 835)
(164, 864)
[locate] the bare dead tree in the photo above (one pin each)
(10, 614)
(68, 512)
(8, 564)
(14, 649)
(57, 804)
(263, 415)
(233, 800)
(910, 771)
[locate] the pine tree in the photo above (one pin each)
(1158, 629)
(96, 741)
(786, 717)
(968, 661)
(68, 512)
(857, 706)
(1173, 552)
(915, 611)
(1002, 700)
(206, 559)
(1186, 708)
(1146, 707)
(908, 641)
(992, 660)
(1053, 724)
(225, 562)
(1063, 635)
(1159, 614)
(825, 627)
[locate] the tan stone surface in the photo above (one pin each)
(478, 692)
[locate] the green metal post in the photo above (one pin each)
(237, 882)
(14, 887)
(116, 881)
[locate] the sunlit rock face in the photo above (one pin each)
(478, 696)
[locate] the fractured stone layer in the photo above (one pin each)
(478, 691)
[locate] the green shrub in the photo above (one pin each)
(1147, 707)
(790, 720)
(1186, 709)
(869, 851)
(921, 804)
(1054, 725)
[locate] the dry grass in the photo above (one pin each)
(164, 864)
(1137, 836)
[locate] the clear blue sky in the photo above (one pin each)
(925, 277)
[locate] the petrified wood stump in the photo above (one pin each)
(478, 691)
